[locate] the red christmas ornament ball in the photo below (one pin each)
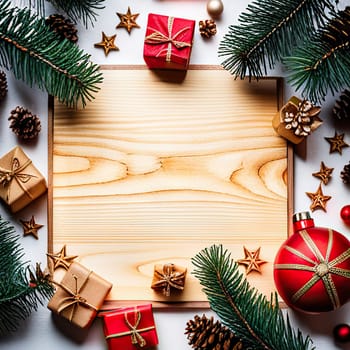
(312, 268)
(341, 333)
(345, 214)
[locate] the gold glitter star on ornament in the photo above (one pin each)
(319, 200)
(107, 43)
(61, 259)
(337, 143)
(128, 20)
(251, 260)
(324, 174)
(31, 228)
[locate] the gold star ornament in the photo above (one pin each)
(61, 259)
(252, 260)
(31, 227)
(128, 20)
(319, 200)
(107, 43)
(324, 174)
(337, 143)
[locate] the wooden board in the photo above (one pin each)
(160, 166)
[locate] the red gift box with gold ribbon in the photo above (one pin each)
(130, 328)
(168, 42)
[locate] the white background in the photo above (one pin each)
(39, 330)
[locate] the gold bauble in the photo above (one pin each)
(215, 8)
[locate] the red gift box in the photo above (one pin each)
(168, 42)
(130, 328)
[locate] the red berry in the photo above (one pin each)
(345, 214)
(341, 333)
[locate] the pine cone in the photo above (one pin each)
(207, 28)
(338, 29)
(341, 109)
(3, 85)
(62, 26)
(345, 174)
(203, 333)
(24, 124)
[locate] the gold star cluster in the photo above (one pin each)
(127, 21)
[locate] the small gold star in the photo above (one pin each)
(61, 259)
(128, 20)
(337, 143)
(30, 227)
(251, 260)
(319, 200)
(324, 174)
(107, 43)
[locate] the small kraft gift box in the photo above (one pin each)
(168, 42)
(79, 295)
(20, 181)
(130, 328)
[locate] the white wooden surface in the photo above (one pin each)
(39, 330)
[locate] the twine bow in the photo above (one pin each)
(6, 176)
(157, 37)
(136, 337)
(74, 299)
(322, 268)
(169, 278)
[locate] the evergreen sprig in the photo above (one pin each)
(259, 322)
(265, 35)
(21, 289)
(37, 56)
(322, 64)
(80, 10)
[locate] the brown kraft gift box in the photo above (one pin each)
(79, 295)
(20, 180)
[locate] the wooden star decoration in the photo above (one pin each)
(128, 20)
(61, 259)
(337, 143)
(324, 174)
(107, 43)
(251, 260)
(319, 200)
(31, 227)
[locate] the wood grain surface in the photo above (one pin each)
(162, 165)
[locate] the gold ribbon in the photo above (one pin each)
(157, 38)
(169, 278)
(6, 176)
(136, 337)
(322, 268)
(74, 299)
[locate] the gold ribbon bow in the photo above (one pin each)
(74, 299)
(136, 337)
(6, 176)
(322, 268)
(156, 38)
(169, 278)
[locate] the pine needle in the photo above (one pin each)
(80, 10)
(38, 57)
(259, 322)
(19, 296)
(264, 34)
(322, 64)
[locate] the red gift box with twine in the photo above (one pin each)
(168, 42)
(130, 328)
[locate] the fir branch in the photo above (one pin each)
(37, 56)
(322, 64)
(264, 34)
(84, 10)
(259, 322)
(19, 296)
